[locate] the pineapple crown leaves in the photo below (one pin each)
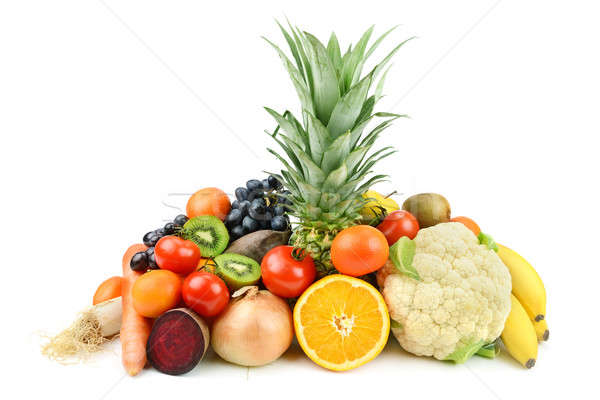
(327, 154)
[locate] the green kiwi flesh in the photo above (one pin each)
(208, 232)
(236, 270)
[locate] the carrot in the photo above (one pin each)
(135, 329)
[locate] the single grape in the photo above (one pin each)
(250, 224)
(257, 209)
(151, 259)
(260, 202)
(274, 183)
(279, 223)
(154, 238)
(233, 218)
(243, 207)
(180, 220)
(241, 193)
(253, 184)
(169, 228)
(146, 238)
(255, 194)
(139, 261)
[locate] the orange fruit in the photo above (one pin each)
(208, 201)
(469, 223)
(109, 289)
(341, 322)
(156, 292)
(359, 250)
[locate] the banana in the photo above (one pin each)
(519, 335)
(527, 285)
(541, 330)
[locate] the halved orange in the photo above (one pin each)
(341, 322)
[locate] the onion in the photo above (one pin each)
(255, 329)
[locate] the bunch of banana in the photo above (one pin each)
(526, 323)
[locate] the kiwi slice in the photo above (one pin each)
(208, 232)
(237, 270)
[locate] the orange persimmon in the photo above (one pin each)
(208, 201)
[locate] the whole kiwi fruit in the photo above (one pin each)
(428, 208)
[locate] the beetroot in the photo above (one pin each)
(178, 341)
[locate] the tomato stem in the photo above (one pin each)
(298, 253)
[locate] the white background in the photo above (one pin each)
(108, 107)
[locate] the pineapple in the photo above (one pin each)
(328, 156)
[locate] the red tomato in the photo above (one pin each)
(285, 276)
(397, 224)
(205, 293)
(177, 255)
(469, 223)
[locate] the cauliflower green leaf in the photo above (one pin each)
(462, 354)
(402, 253)
(489, 350)
(395, 324)
(488, 241)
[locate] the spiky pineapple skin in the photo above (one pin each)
(317, 243)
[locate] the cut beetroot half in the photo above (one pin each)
(178, 341)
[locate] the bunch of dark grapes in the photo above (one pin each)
(260, 205)
(145, 259)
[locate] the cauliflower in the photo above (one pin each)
(461, 300)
